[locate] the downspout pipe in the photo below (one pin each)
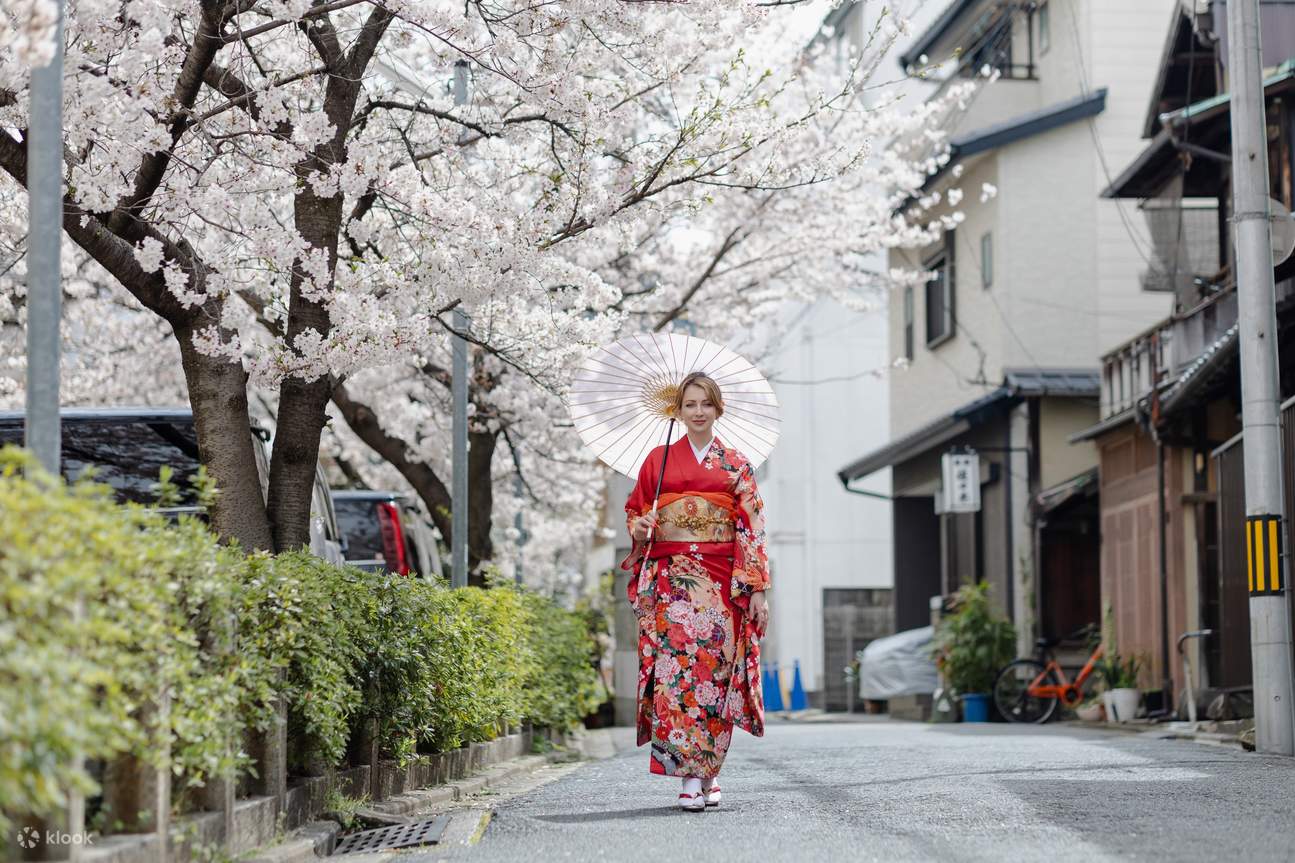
(1163, 531)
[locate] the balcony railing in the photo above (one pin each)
(1185, 253)
(1156, 356)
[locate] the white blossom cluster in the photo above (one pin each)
(617, 166)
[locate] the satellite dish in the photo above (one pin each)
(1283, 231)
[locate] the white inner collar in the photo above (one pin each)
(701, 453)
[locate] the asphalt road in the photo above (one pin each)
(900, 791)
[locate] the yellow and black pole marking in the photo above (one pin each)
(1264, 554)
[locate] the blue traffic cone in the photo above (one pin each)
(766, 686)
(773, 692)
(798, 699)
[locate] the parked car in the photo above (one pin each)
(385, 530)
(128, 447)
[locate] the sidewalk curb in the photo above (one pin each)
(1160, 732)
(318, 838)
(309, 842)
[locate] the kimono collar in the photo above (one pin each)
(700, 453)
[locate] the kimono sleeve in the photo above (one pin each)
(750, 560)
(640, 499)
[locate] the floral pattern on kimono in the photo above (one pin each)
(699, 654)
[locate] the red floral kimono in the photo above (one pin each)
(699, 655)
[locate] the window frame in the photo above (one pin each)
(987, 260)
(1045, 28)
(910, 318)
(942, 261)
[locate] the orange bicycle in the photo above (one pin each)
(1028, 690)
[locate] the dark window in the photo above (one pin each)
(939, 296)
(987, 260)
(358, 522)
(361, 524)
(908, 322)
(127, 456)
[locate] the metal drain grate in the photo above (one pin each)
(398, 836)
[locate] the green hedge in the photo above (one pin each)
(103, 606)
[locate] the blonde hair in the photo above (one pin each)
(708, 385)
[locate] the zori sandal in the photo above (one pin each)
(692, 802)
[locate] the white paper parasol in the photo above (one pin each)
(622, 395)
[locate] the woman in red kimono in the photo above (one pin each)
(699, 597)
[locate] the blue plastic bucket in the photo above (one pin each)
(975, 707)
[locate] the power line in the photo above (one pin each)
(1084, 90)
(971, 249)
(877, 373)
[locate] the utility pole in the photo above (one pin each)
(459, 371)
(519, 489)
(42, 425)
(1270, 644)
(42, 429)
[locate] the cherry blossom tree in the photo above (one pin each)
(291, 189)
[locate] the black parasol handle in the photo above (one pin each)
(665, 457)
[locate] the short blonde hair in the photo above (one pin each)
(707, 383)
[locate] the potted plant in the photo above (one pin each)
(1121, 677)
(971, 644)
(1092, 709)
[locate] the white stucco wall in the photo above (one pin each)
(1066, 269)
(821, 536)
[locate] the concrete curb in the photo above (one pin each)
(318, 839)
(1162, 732)
(308, 842)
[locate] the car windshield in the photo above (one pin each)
(128, 455)
(357, 519)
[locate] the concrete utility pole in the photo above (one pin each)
(519, 488)
(459, 370)
(42, 429)
(1270, 645)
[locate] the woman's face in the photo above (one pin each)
(699, 412)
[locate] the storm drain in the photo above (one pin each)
(398, 836)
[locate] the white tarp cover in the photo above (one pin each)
(898, 665)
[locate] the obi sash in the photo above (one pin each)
(695, 516)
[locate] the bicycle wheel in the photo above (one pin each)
(1012, 697)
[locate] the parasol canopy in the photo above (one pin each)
(622, 398)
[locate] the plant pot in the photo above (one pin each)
(1122, 704)
(975, 707)
(1091, 712)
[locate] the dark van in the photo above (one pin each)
(128, 447)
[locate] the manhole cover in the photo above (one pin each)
(398, 836)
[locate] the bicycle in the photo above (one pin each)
(1028, 690)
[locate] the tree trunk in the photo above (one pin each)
(481, 497)
(294, 459)
(302, 403)
(218, 395)
(318, 219)
(217, 387)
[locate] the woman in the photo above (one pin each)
(699, 594)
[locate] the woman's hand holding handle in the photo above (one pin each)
(643, 525)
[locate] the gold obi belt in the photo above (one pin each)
(695, 517)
